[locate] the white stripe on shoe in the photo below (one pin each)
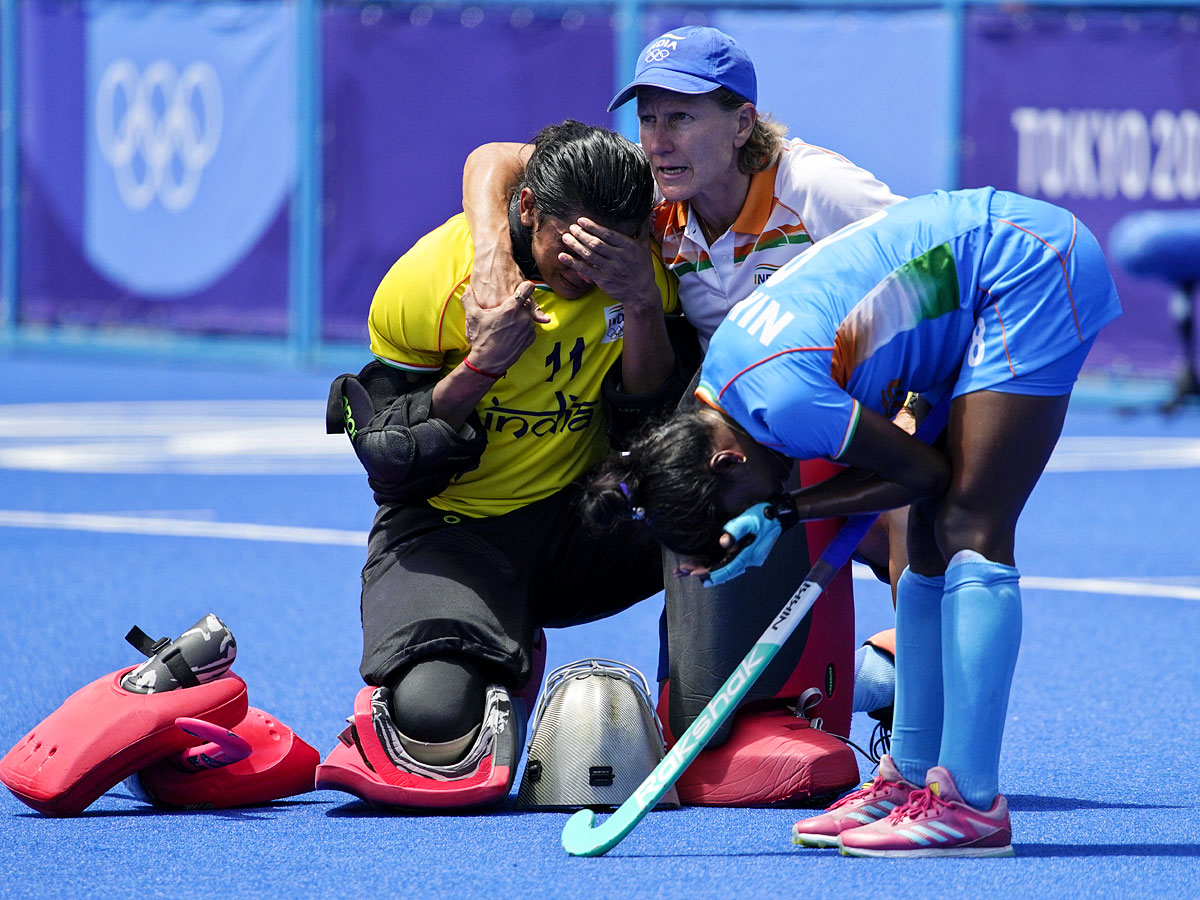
(946, 829)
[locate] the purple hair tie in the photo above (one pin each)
(637, 513)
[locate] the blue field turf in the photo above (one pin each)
(1097, 765)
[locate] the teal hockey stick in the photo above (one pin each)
(581, 838)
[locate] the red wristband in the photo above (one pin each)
(493, 375)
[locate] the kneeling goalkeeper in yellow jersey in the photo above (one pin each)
(474, 426)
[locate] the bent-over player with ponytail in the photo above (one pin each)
(986, 297)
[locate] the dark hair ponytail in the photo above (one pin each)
(578, 169)
(665, 482)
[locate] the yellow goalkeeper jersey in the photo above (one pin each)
(544, 421)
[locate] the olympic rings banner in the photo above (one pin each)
(1098, 112)
(158, 139)
(160, 152)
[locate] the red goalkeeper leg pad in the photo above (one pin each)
(529, 694)
(279, 764)
(771, 758)
(360, 765)
(103, 733)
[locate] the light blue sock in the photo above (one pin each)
(917, 724)
(874, 680)
(981, 634)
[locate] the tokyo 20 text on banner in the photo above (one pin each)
(579, 836)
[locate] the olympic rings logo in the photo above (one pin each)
(145, 121)
(658, 54)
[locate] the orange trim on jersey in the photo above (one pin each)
(767, 359)
(841, 366)
(1062, 261)
(743, 251)
(703, 398)
(669, 213)
(1004, 339)
(667, 231)
(795, 213)
(760, 200)
(1003, 331)
(851, 427)
(680, 214)
(446, 306)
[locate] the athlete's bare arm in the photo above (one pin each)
(490, 172)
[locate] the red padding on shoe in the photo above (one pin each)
(280, 765)
(771, 758)
(103, 733)
(371, 776)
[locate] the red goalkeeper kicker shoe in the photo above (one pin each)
(870, 803)
(936, 821)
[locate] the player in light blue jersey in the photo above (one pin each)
(982, 300)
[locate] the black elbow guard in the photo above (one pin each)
(626, 413)
(408, 455)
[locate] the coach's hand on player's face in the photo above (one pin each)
(499, 335)
(620, 265)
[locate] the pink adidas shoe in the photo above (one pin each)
(936, 821)
(874, 800)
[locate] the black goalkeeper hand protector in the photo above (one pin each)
(409, 455)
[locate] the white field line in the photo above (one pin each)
(1113, 586)
(238, 531)
(291, 534)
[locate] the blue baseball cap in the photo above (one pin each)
(692, 60)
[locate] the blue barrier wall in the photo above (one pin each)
(877, 86)
(409, 92)
(223, 176)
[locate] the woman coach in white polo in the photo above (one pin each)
(737, 201)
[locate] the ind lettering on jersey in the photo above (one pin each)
(761, 316)
(614, 323)
(572, 414)
(763, 271)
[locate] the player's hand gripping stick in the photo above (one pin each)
(755, 532)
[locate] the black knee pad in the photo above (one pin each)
(438, 698)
